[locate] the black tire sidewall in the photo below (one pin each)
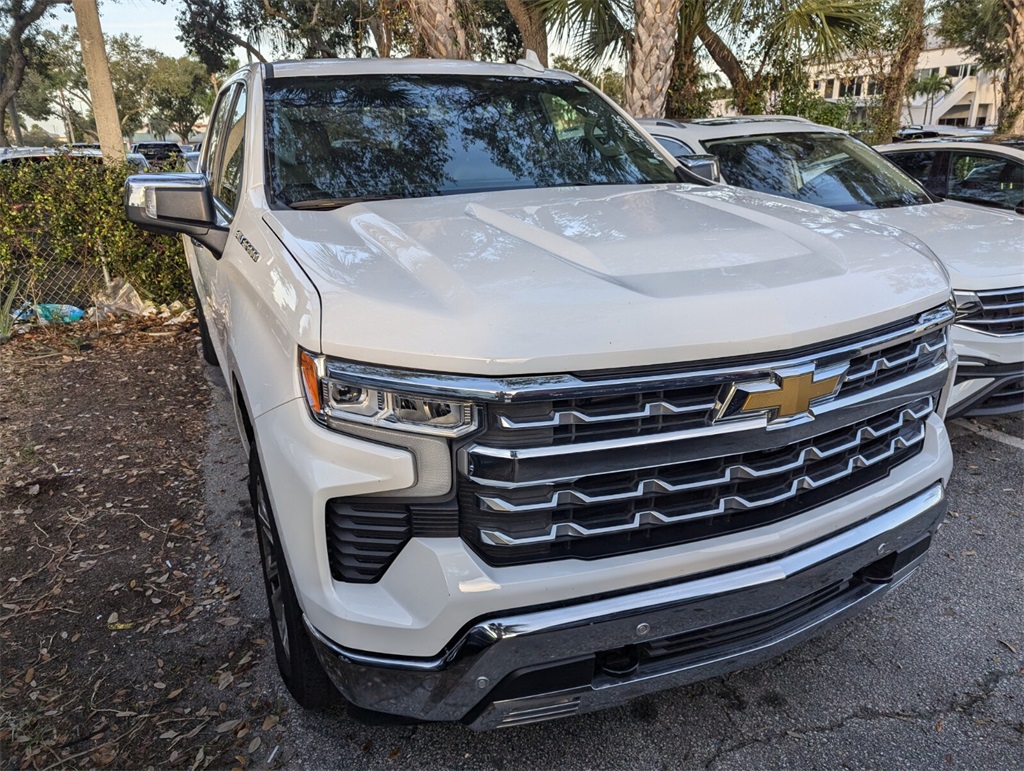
(300, 668)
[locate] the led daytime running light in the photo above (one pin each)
(333, 400)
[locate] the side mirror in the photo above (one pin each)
(173, 204)
(704, 166)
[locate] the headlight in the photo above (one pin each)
(333, 396)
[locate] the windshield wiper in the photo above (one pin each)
(336, 203)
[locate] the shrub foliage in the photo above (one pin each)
(66, 213)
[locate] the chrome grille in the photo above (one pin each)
(1001, 313)
(695, 499)
(640, 462)
(644, 413)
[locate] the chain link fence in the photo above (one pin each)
(63, 236)
(44, 275)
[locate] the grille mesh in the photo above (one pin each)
(570, 421)
(601, 515)
(1002, 312)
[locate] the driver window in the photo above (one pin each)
(229, 177)
(985, 179)
(213, 138)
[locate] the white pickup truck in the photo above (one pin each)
(537, 421)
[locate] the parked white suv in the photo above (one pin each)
(538, 422)
(982, 249)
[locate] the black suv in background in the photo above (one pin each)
(159, 153)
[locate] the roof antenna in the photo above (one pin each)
(531, 61)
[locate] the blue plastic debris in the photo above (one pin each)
(49, 313)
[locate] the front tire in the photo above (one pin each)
(296, 658)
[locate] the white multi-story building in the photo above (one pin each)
(973, 100)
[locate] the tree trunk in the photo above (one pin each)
(380, 27)
(685, 90)
(438, 28)
(529, 17)
(97, 72)
(15, 123)
(1011, 117)
(894, 82)
(729, 65)
(651, 55)
(13, 60)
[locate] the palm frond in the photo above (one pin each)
(826, 28)
(595, 28)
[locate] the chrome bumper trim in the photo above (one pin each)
(464, 681)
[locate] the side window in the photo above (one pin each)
(920, 166)
(213, 136)
(227, 178)
(674, 146)
(985, 179)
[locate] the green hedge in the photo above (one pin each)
(65, 214)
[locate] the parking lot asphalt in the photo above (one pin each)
(931, 677)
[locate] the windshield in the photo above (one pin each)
(336, 140)
(822, 168)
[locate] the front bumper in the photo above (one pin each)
(520, 668)
(984, 388)
(990, 373)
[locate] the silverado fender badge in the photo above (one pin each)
(787, 395)
(251, 250)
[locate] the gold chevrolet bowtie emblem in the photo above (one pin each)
(792, 396)
(785, 395)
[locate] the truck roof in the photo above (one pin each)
(385, 66)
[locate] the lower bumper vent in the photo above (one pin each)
(363, 542)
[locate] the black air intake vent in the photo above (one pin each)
(362, 542)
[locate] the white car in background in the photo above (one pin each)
(985, 170)
(983, 249)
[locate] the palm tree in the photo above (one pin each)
(787, 35)
(786, 31)
(651, 56)
(1012, 117)
(529, 17)
(931, 87)
(438, 28)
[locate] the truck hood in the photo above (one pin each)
(572, 279)
(981, 248)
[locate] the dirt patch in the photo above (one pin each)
(121, 640)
